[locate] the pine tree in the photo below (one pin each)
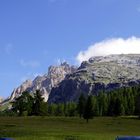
(103, 104)
(111, 105)
(71, 109)
(96, 111)
(88, 112)
(131, 104)
(59, 110)
(81, 105)
(39, 106)
(51, 111)
(23, 104)
(118, 108)
(137, 105)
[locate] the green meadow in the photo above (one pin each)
(63, 128)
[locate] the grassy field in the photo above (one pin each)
(55, 128)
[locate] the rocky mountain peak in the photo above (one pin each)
(133, 59)
(65, 64)
(99, 73)
(46, 82)
(17, 91)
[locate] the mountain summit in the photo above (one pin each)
(102, 73)
(65, 83)
(46, 82)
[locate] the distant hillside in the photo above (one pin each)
(99, 73)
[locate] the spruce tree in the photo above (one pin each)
(81, 105)
(88, 112)
(137, 105)
(23, 104)
(39, 106)
(118, 107)
(103, 103)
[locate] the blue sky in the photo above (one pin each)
(37, 33)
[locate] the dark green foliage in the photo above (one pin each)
(96, 110)
(39, 106)
(81, 105)
(111, 105)
(51, 111)
(59, 110)
(27, 105)
(23, 104)
(88, 112)
(67, 109)
(137, 105)
(102, 103)
(7, 112)
(71, 109)
(123, 101)
(118, 108)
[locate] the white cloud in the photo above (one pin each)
(31, 63)
(111, 46)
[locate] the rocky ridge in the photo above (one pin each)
(99, 73)
(46, 82)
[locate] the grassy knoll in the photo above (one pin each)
(55, 128)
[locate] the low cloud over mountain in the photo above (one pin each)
(111, 46)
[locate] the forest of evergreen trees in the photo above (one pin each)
(123, 101)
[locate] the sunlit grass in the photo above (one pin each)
(61, 128)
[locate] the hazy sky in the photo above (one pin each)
(37, 33)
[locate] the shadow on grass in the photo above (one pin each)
(6, 132)
(10, 125)
(71, 138)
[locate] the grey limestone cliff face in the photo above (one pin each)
(18, 91)
(46, 82)
(99, 73)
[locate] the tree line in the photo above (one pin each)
(123, 101)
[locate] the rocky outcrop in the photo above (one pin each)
(98, 74)
(46, 82)
(18, 91)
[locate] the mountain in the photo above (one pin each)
(46, 82)
(102, 73)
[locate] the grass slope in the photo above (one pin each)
(59, 128)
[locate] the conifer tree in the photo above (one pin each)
(137, 104)
(23, 104)
(81, 105)
(88, 112)
(39, 106)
